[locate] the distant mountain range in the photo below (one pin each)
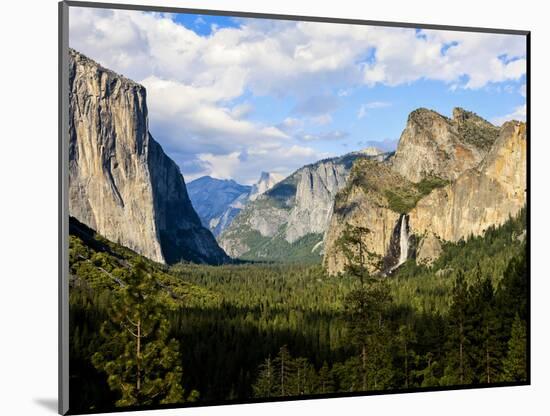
(218, 201)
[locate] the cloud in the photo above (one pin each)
(363, 109)
(290, 124)
(519, 113)
(245, 168)
(316, 105)
(241, 110)
(281, 57)
(322, 120)
(387, 145)
(329, 135)
(196, 84)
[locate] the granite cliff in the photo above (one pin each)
(484, 196)
(121, 183)
(449, 179)
(433, 145)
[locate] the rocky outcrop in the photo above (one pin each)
(481, 197)
(433, 145)
(453, 177)
(366, 202)
(121, 183)
(429, 250)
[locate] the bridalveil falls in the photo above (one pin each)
(403, 241)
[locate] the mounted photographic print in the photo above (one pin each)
(263, 207)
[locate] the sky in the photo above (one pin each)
(232, 97)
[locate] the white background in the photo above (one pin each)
(28, 205)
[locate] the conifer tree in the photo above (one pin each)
(266, 383)
(366, 308)
(142, 364)
(458, 369)
(326, 381)
(515, 363)
(284, 367)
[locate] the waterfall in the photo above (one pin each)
(403, 241)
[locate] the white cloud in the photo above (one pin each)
(280, 160)
(322, 119)
(291, 124)
(193, 82)
(283, 57)
(519, 113)
(363, 109)
(241, 110)
(328, 135)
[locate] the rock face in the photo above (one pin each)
(316, 189)
(297, 208)
(435, 146)
(364, 202)
(483, 196)
(429, 250)
(480, 173)
(217, 201)
(121, 183)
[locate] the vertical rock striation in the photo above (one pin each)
(484, 196)
(121, 183)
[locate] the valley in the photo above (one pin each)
(367, 271)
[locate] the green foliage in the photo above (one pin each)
(429, 183)
(288, 376)
(231, 321)
(427, 289)
(277, 249)
(142, 364)
(477, 132)
(404, 199)
(515, 364)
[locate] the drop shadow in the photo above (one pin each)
(49, 404)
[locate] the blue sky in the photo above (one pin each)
(231, 97)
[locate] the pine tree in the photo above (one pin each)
(406, 337)
(141, 362)
(428, 374)
(459, 368)
(266, 383)
(515, 363)
(366, 308)
(486, 330)
(304, 379)
(284, 368)
(325, 380)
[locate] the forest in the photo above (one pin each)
(145, 334)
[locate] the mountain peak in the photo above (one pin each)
(371, 151)
(267, 181)
(434, 145)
